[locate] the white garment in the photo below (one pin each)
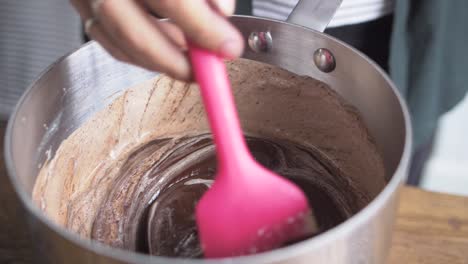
(350, 11)
(33, 34)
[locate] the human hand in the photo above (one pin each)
(128, 30)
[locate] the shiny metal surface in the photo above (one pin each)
(315, 14)
(324, 60)
(80, 84)
(260, 41)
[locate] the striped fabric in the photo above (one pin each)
(33, 34)
(350, 12)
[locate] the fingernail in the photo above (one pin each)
(226, 7)
(230, 49)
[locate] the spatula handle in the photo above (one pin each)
(211, 75)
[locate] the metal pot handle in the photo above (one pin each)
(314, 14)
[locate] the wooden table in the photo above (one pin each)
(431, 227)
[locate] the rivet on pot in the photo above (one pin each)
(261, 41)
(324, 60)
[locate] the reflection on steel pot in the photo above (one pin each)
(84, 82)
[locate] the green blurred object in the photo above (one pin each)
(429, 60)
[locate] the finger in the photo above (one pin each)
(96, 33)
(202, 24)
(173, 32)
(131, 27)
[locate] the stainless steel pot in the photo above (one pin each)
(83, 82)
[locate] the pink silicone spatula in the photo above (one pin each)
(248, 209)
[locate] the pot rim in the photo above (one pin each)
(265, 257)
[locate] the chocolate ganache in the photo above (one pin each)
(156, 215)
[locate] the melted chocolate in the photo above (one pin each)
(150, 207)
